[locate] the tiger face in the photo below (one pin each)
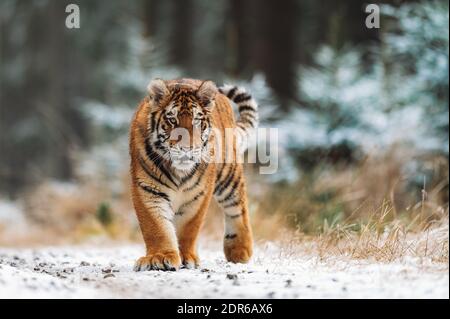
(180, 122)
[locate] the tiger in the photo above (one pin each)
(173, 180)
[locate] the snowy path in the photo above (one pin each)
(106, 272)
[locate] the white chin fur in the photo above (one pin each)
(183, 166)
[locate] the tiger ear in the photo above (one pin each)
(157, 91)
(206, 94)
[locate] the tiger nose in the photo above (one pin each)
(185, 143)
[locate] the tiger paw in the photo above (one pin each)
(159, 261)
(238, 253)
(190, 260)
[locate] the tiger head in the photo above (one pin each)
(180, 121)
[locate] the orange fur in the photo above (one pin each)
(171, 213)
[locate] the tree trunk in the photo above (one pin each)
(181, 33)
(277, 49)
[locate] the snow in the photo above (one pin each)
(11, 213)
(90, 271)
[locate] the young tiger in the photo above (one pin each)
(174, 180)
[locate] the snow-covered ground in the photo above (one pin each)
(90, 271)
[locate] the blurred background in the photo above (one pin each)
(362, 113)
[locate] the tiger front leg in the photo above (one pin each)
(159, 235)
(189, 220)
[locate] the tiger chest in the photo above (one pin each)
(185, 204)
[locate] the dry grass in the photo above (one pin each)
(354, 194)
(76, 211)
(386, 241)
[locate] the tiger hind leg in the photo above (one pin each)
(232, 197)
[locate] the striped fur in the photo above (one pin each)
(248, 113)
(173, 182)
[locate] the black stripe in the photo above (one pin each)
(159, 145)
(243, 108)
(244, 122)
(248, 116)
(230, 236)
(190, 175)
(219, 176)
(220, 186)
(154, 207)
(195, 198)
(242, 97)
(152, 122)
(227, 182)
(158, 161)
(154, 192)
(232, 204)
(231, 93)
(232, 190)
(251, 115)
(219, 182)
(158, 122)
(233, 216)
(199, 179)
(162, 137)
(208, 121)
(149, 173)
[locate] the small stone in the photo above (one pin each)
(84, 263)
(232, 276)
(288, 283)
(58, 274)
(109, 276)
